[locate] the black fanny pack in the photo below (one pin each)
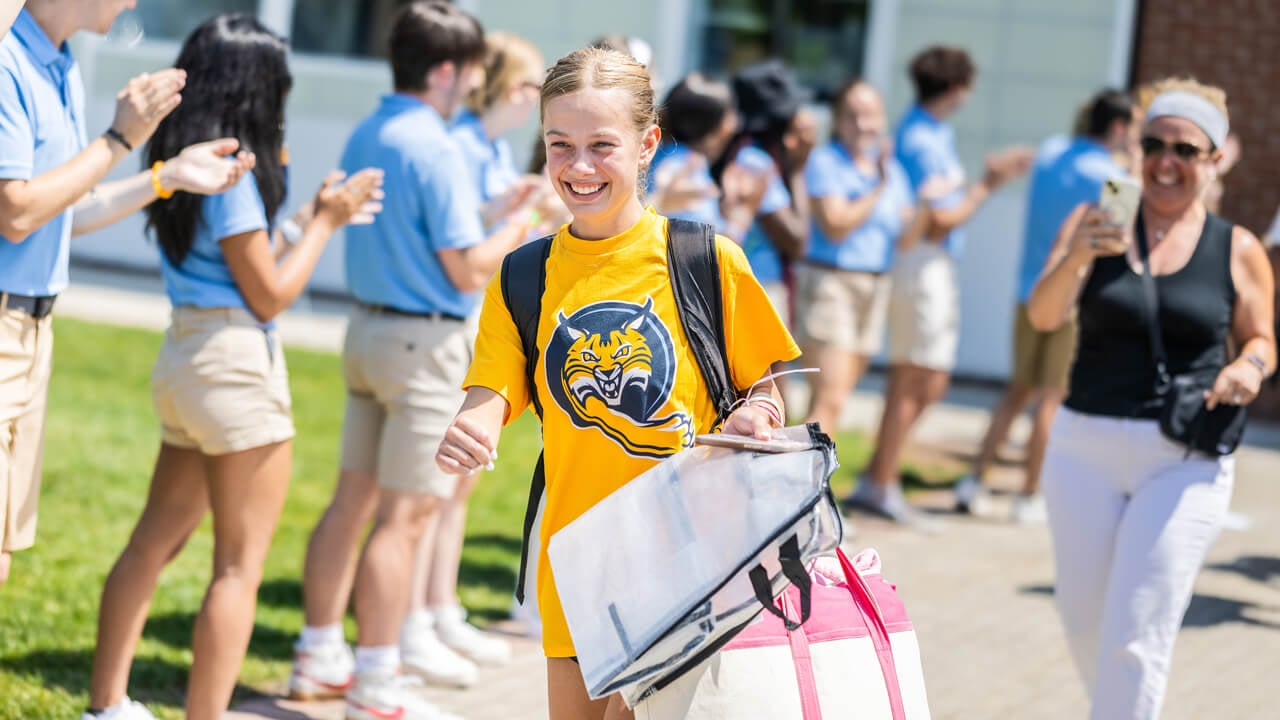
(1184, 417)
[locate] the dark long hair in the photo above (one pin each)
(237, 81)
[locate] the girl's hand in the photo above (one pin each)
(466, 448)
(750, 421)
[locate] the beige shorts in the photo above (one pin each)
(26, 357)
(841, 308)
(220, 384)
(924, 309)
(1042, 359)
(404, 378)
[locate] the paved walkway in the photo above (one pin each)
(979, 592)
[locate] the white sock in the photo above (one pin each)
(381, 659)
(322, 635)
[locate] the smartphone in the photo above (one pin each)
(742, 442)
(1120, 197)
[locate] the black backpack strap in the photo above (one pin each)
(524, 280)
(695, 278)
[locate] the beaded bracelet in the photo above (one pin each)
(156, 184)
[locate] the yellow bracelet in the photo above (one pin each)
(156, 184)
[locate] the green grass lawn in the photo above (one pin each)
(100, 444)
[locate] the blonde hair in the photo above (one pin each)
(508, 58)
(604, 70)
(1214, 94)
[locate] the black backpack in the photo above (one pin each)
(695, 278)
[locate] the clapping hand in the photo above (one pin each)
(145, 101)
(354, 201)
(207, 168)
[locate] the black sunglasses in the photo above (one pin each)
(1184, 150)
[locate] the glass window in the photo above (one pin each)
(342, 27)
(822, 40)
(175, 20)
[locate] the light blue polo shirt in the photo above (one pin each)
(203, 279)
(765, 261)
(673, 156)
(430, 206)
(830, 171)
(492, 166)
(41, 128)
(926, 147)
(1067, 172)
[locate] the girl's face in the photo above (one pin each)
(594, 155)
(1171, 180)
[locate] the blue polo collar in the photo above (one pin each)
(38, 44)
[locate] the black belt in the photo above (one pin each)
(36, 307)
(388, 310)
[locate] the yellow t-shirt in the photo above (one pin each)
(619, 385)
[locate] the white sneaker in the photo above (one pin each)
(1030, 510)
(321, 673)
(126, 709)
(423, 654)
(380, 696)
(453, 630)
(972, 497)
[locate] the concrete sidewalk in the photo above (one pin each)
(979, 593)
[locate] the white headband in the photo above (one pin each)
(1190, 106)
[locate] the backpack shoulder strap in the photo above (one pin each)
(524, 279)
(695, 278)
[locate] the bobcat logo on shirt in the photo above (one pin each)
(611, 366)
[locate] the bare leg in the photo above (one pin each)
(568, 699)
(451, 530)
(6, 559)
(246, 491)
(177, 500)
(841, 371)
(911, 390)
(1011, 404)
(382, 587)
(1050, 401)
(330, 569)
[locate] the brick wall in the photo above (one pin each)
(1232, 44)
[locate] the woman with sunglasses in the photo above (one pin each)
(1132, 513)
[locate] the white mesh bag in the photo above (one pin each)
(660, 574)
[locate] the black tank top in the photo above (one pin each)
(1113, 373)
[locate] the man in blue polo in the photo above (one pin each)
(415, 273)
(49, 191)
(1068, 171)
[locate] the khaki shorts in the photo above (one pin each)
(841, 308)
(924, 309)
(1042, 359)
(220, 384)
(404, 378)
(26, 357)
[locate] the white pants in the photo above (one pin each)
(1131, 522)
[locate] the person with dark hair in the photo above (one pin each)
(1067, 171)
(414, 274)
(220, 385)
(924, 300)
(52, 189)
(1177, 336)
(773, 142)
(861, 205)
(699, 119)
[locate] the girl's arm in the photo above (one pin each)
(760, 413)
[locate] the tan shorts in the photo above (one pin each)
(924, 309)
(220, 384)
(1042, 359)
(841, 308)
(404, 378)
(26, 357)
